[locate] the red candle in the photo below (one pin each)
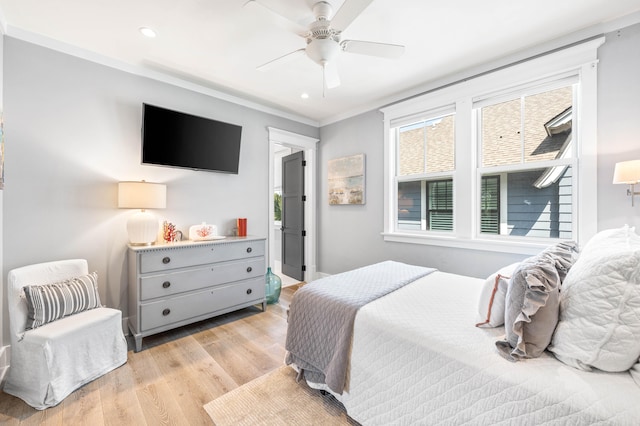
(242, 227)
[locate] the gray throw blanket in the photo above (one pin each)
(322, 314)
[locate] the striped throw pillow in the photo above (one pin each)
(47, 303)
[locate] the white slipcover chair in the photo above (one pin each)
(51, 361)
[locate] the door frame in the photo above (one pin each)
(309, 146)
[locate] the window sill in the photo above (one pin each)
(499, 245)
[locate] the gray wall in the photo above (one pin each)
(73, 131)
(618, 123)
(349, 236)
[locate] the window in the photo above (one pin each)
(516, 136)
(440, 205)
(490, 205)
(504, 161)
(425, 152)
(277, 205)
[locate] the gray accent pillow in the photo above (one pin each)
(50, 302)
(532, 302)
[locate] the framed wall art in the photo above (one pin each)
(347, 180)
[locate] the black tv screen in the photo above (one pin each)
(176, 139)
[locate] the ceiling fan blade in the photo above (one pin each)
(331, 77)
(371, 48)
(349, 11)
(281, 60)
(281, 20)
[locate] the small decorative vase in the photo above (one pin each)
(203, 232)
(274, 286)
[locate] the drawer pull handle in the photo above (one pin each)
(249, 269)
(166, 260)
(166, 284)
(166, 312)
(249, 249)
(249, 291)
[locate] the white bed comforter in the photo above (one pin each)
(418, 359)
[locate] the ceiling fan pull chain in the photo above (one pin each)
(324, 79)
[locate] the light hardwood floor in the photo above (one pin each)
(174, 375)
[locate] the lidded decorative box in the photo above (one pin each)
(203, 232)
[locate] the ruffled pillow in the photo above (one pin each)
(492, 297)
(532, 302)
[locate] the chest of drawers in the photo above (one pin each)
(179, 283)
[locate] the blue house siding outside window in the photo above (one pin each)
(409, 205)
(544, 212)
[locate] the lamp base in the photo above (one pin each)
(142, 228)
(142, 244)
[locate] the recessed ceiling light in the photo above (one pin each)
(148, 32)
(305, 96)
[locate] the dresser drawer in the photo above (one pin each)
(169, 283)
(180, 256)
(183, 307)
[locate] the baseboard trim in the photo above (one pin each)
(125, 326)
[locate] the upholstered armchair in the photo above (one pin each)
(61, 337)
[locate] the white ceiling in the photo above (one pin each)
(219, 43)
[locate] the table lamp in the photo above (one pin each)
(142, 227)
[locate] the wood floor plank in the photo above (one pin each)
(233, 363)
(156, 398)
(158, 404)
(120, 403)
(215, 379)
(194, 378)
(84, 406)
(12, 410)
(49, 417)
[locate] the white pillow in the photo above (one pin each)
(599, 323)
(635, 373)
(492, 297)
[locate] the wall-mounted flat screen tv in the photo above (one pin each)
(175, 139)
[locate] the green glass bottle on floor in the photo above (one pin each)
(274, 286)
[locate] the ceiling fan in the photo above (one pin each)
(323, 39)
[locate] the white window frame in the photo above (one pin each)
(556, 82)
(426, 176)
(580, 60)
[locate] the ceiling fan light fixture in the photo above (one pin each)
(322, 51)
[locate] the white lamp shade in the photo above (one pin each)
(627, 172)
(142, 195)
(142, 227)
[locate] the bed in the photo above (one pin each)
(416, 357)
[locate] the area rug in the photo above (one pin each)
(277, 399)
